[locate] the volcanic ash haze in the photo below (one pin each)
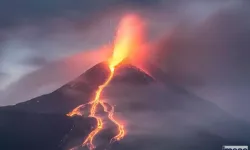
(152, 114)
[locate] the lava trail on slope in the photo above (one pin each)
(128, 38)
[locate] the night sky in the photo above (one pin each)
(203, 45)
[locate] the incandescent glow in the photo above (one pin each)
(75, 111)
(89, 140)
(127, 39)
(121, 133)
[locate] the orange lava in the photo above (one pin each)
(121, 133)
(75, 111)
(89, 140)
(127, 39)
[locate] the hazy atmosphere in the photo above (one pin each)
(201, 47)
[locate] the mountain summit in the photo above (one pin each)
(81, 89)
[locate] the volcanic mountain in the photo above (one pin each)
(35, 120)
(81, 89)
(157, 115)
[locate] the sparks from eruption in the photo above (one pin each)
(127, 39)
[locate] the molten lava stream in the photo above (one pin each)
(89, 140)
(127, 39)
(121, 133)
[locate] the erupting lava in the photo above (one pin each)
(127, 39)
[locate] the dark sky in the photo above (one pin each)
(203, 45)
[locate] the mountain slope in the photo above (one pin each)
(27, 131)
(42, 121)
(80, 90)
(154, 110)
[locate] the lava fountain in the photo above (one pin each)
(128, 38)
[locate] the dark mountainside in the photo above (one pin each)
(32, 131)
(41, 123)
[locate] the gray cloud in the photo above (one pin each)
(213, 53)
(15, 12)
(35, 34)
(217, 47)
(36, 61)
(50, 77)
(3, 75)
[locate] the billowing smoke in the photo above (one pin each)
(40, 36)
(208, 53)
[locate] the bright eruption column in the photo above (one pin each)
(128, 38)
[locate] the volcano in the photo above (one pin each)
(38, 118)
(156, 114)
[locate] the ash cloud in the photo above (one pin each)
(3, 76)
(34, 35)
(216, 47)
(14, 13)
(210, 57)
(50, 77)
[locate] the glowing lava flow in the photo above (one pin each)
(121, 133)
(128, 38)
(75, 111)
(89, 140)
